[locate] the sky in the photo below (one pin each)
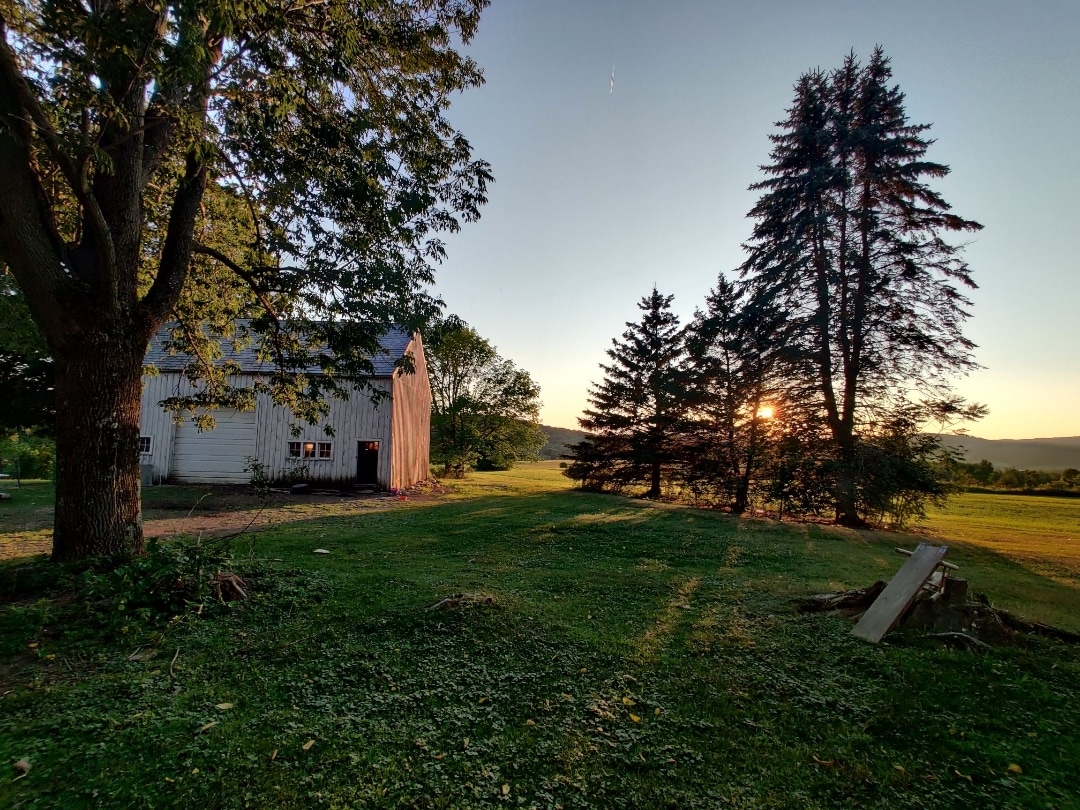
(599, 195)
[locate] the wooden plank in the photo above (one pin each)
(944, 564)
(883, 615)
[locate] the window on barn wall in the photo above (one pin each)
(146, 444)
(321, 450)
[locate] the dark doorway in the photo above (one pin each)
(367, 464)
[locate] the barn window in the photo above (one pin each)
(308, 449)
(325, 450)
(146, 444)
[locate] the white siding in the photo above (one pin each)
(352, 421)
(156, 423)
(267, 438)
(160, 426)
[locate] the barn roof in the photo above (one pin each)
(392, 347)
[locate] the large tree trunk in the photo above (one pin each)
(654, 483)
(98, 391)
(847, 510)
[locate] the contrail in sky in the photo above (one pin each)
(612, 89)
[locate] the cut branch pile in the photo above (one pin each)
(463, 600)
(228, 587)
(972, 623)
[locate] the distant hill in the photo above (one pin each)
(559, 441)
(1023, 454)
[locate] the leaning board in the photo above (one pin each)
(887, 609)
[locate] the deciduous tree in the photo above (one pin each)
(325, 120)
(26, 371)
(485, 410)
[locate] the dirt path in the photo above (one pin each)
(229, 509)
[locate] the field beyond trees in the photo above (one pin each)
(611, 653)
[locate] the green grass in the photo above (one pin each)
(635, 655)
(28, 503)
(25, 517)
(1040, 538)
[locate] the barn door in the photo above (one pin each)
(215, 456)
(367, 464)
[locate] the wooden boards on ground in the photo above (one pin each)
(887, 609)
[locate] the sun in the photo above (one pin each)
(766, 412)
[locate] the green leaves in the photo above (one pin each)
(484, 408)
(300, 150)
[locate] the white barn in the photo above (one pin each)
(385, 446)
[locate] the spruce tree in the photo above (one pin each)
(634, 418)
(849, 239)
(735, 386)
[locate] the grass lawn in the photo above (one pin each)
(634, 655)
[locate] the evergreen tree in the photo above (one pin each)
(735, 386)
(849, 240)
(635, 415)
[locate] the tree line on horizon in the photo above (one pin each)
(984, 475)
(807, 379)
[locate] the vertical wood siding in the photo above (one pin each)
(156, 423)
(411, 443)
(352, 421)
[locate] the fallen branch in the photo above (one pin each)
(196, 506)
(856, 600)
(1036, 628)
(228, 586)
(458, 599)
(223, 539)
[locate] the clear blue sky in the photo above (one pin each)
(600, 195)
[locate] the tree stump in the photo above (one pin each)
(956, 590)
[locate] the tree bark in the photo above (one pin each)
(847, 510)
(98, 498)
(654, 482)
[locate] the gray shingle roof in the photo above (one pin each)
(393, 344)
